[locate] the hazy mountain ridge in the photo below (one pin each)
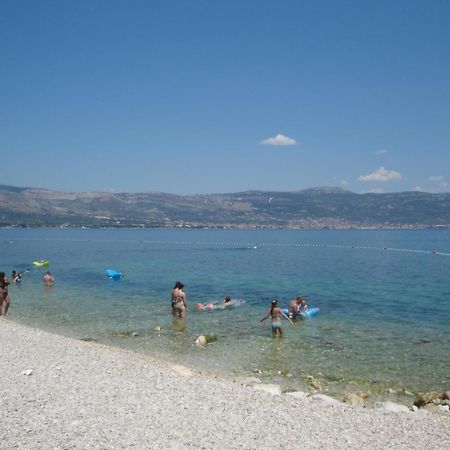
(312, 208)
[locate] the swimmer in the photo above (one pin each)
(276, 313)
(16, 276)
(296, 306)
(227, 301)
(48, 279)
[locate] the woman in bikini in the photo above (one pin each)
(5, 300)
(276, 313)
(179, 305)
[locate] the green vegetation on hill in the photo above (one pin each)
(310, 208)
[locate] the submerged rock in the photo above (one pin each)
(352, 399)
(430, 397)
(210, 338)
(88, 339)
(123, 334)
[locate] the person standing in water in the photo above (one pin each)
(179, 305)
(5, 299)
(296, 306)
(276, 313)
(48, 279)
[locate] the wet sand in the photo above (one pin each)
(58, 392)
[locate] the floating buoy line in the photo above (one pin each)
(255, 245)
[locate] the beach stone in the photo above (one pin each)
(135, 334)
(300, 395)
(424, 399)
(182, 370)
(201, 341)
(352, 399)
(435, 409)
(446, 395)
(157, 328)
(390, 406)
(444, 408)
(248, 380)
(273, 389)
(326, 399)
(27, 372)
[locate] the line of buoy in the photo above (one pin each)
(256, 245)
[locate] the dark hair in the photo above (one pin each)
(227, 299)
(274, 304)
(178, 285)
(3, 282)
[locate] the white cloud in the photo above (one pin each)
(434, 178)
(381, 151)
(344, 182)
(381, 175)
(279, 139)
(375, 191)
(418, 189)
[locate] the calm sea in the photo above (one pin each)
(384, 299)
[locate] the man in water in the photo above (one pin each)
(296, 306)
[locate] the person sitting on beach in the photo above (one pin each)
(5, 299)
(48, 279)
(276, 313)
(179, 305)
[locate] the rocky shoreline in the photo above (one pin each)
(59, 392)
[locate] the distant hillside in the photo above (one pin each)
(310, 208)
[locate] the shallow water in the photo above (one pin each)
(384, 299)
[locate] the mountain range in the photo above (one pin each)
(309, 208)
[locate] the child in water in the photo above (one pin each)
(276, 313)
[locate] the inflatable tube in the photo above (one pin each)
(113, 274)
(311, 312)
(40, 263)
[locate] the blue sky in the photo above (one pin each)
(204, 96)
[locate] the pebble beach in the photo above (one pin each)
(63, 393)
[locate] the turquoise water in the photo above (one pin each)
(384, 299)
